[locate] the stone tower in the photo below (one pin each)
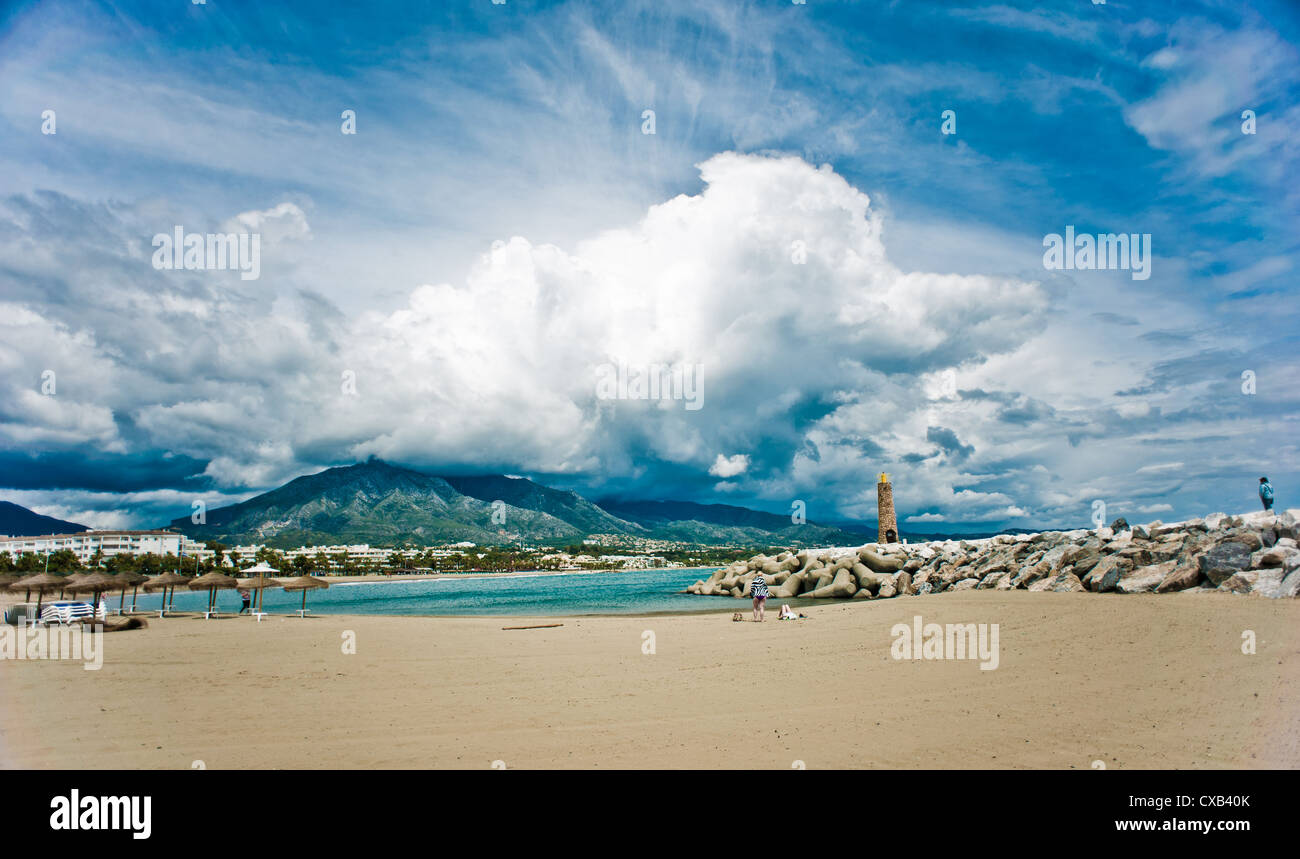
(888, 527)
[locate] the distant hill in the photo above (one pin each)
(722, 523)
(18, 521)
(520, 492)
(374, 502)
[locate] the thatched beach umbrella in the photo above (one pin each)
(70, 583)
(261, 569)
(42, 583)
(304, 584)
(95, 584)
(258, 583)
(7, 579)
(212, 582)
(130, 580)
(162, 583)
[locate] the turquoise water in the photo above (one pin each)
(630, 592)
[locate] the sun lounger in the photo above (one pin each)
(67, 612)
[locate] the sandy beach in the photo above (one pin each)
(1140, 681)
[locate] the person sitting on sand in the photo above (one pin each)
(758, 590)
(1266, 493)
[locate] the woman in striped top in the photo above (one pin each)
(758, 590)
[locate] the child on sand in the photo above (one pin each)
(758, 590)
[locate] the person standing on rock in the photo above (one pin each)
(1266, 493)
(758, 590)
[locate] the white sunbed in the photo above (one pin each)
(67, 612)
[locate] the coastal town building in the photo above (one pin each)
(85, 544)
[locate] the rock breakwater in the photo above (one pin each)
(1252, 553)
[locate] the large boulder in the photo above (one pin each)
(1215, 521)
(1265, 583)
(965, 585)
(1182, 577)
(1249, 536)
(950, 575)
(1030, 573)
(1066, 583)
(1290, 586)
(1144, 579)
(1054, 555)
(1105, 576)
(903, 582)
(1139, 555)
(1222, 561)
(1082, 558)
(1281, 555)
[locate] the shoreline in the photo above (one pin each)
(434, 577)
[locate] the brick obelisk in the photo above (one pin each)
(888, 524)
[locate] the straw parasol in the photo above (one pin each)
(212, 582)
(259, 583)
(41, 583)
(96, 584)
(261, 569)
(7, 579)
(132, 580)
(304, 584)
(162, 583)
(70, 582)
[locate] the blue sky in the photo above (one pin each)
(500, 225)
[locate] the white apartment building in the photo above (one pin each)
(86, 543)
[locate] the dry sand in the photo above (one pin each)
(1143, 681)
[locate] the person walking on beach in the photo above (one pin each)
(1266, 493)
(758, 590)
(247, 598)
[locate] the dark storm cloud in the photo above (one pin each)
(948, 442)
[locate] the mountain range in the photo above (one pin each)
(18, 521)
(382, 504)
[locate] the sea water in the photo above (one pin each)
(624, 592)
